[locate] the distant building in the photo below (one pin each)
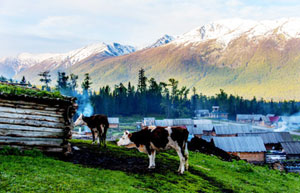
(148, 121)
(113, 122)
(251, 118)
(201, 113)
(217, 114)
(230, 130)
(271, 140)
(292, 149)
(251, 149)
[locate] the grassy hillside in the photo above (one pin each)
(207, 174)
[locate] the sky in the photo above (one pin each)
(57, 26)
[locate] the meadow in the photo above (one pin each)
(126, 171)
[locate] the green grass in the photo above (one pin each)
(17, 90)
(32, 172)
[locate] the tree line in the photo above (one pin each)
(167, 99)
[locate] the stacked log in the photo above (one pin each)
(29, 122)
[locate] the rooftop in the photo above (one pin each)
(240, 144)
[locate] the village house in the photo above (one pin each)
(271, 140)
(217, 114)
(201, 128)
(201, 113)
(251, 118)
(251, 149)
(230, 130)
(113, 122)
(292, 149)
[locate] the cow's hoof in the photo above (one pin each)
(151, 167)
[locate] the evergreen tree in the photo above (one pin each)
(86, 84)
(142, 85)
(73, 83)
(45, 78)
(23, 81)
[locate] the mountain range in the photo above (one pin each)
(243, 57)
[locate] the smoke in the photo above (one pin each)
(83, 101)
(289, 123)
(84, 105)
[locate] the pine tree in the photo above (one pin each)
(86, 84)
(45, 78)
(73, 83)
(23, 81)
(142, 86)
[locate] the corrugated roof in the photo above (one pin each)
(194, 131)
(231, 129)
(113, 120)
(202, 121)
(271, 137)
(162, 123)
(255, 117)
(206, 127)
(291, 147)
(179, 122)
(240, 144)
(207, 138)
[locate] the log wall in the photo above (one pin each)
(26, 125)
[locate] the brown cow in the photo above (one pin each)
(99, 122)
(152, 139)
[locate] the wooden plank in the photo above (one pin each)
(30, 141)
(36, 106)
(32, 117)
(34, 123)
(35, 134)
(31, 112)
(43, 149)
(29, 128)
(26, 103)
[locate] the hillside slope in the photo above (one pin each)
(206, 174)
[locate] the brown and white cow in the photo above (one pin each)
(99, 122)
(152, 139)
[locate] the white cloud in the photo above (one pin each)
(126, 21)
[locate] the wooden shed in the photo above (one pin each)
(271, 140)
(42, 122)
(251, 149)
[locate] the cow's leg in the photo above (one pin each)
(98, 136)
(93, 134)
(182, 160)
(186, 156)
(152, 159)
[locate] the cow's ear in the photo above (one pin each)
(129, 135)
(126, 132)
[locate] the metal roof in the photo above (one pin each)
(194, 130)
(202, 121)
(206, 127)
(255, 117)
(240, 144)
(179, 122)
(207, 138)
(113, 120)
(231, 129)
(291, 147)
(271, 137)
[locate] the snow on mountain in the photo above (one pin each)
(224, 31)
(14, 65)
(162, 41)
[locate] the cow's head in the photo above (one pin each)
(125, 140)
(80, 121)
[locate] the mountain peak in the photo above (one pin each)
(162, 41)
(224, 31)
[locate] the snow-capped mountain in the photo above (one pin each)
(11, 66)
(225, 31)
(244, 57)
(162, 41)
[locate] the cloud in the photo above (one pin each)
(126, 21)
